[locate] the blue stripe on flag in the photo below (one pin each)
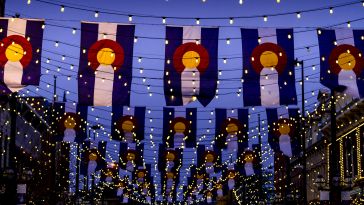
(101, 162)
(58, 113)
(84, 158)
(208, 80)
(359, 43)
(243, 116)
(168, 142)
(287, 93)
(191, 140)
(174, 35)
(117, 114)
(251, 84)
(86, 83)
(220, 117)
(31, 75)
(81, 134)
(272, 117)
(3, 88)
(121, 87)
(326, 45)
(122, 152)
(295, 143)
(139, 113)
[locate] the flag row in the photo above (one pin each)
(191, 62)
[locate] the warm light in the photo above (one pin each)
(348, 24)
(241, 2)
(73, 31)
(265, 18)
(231, 21)
(164, 20)
(331, 10)
(228, 41)
(130, 18)
(62, 8)
(298, 15)
(197, 21)
(135, 39)
(96, 14)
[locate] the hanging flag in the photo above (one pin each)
(92, 157)
(232, 129)
(127, 123)
(20, 53)
(342, 62)
(283, 133)
(249, 162)
(169, 159)
(230, 175)
(130, 155)
(69, 122)
(179, 127)
(105, 69)
(110, 173)
(191, 54)
(268, 68)
(169, 181)
(209, 158)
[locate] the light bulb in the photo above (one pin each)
(73, 31)
(298, 15)
(62, 8)
(331, 10)
(231, 20)
(228, 41)
(265, 18)
(197, 21)
(241, 2)
(96, 14)
(130, 18)
(164, 20)
(348, 24)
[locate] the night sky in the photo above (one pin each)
(151, 32)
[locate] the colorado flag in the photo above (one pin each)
(341, 59)
(20, 53)
(268, 67)
(105, 68)
(190, 70)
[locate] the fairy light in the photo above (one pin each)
(56, 44)
(228, 41)
(29, 2)
(62, 8)
(348, 24)
(164, 20)
(73, 31)
(331, 10)
(130, 18)
(96, 14)
(265, 18)
(231, 21)
(298, 15)
(241, 2)
(198, 21)
(135, 39)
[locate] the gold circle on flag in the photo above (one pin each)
(231, 175)
(170, 156)
(92, 157)
(232, 128)
(170, 175)
(209, 157)
(269, 59)
(127, 126)
(14, 52)
(248, 158)
(130, 156)
(200, 176)
(191, 59)
(179, 127)
(141, 174)
(106, 56)
(284, 129)
(70, 123)
(346, 61)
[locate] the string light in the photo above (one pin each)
(278, 1)
(135, 39)
(265, 18)
(331, 10)
(348, 24)
(62, 8)
(198, 21)
(130, 18)
(96, 14)
(241, 2)
(56, 44)
(164, 21)
(231, 20)
(74, 31)
(29, 2)
(298, 15)
(228, 41)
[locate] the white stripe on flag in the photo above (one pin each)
(13, 71)
(347, 77)
(191, 34)
(190, 85)
(269, 88)
(69, 135)
(178, 138)
(267, 35)
(104, 77)
(344, 36)
(284, 140)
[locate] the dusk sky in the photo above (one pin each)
(150, 44)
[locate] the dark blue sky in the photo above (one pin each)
(305, 36)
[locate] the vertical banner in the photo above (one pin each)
(20, 53)
(106, 61)
(283, 131)
(92, 158)
(69, 122)
(209, 159)
(268, 67)
(127, 124)
(341, 60)
(231, 129)
(130, 155)
(190, 70)
(179, 127)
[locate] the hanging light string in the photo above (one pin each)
(130, 16)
